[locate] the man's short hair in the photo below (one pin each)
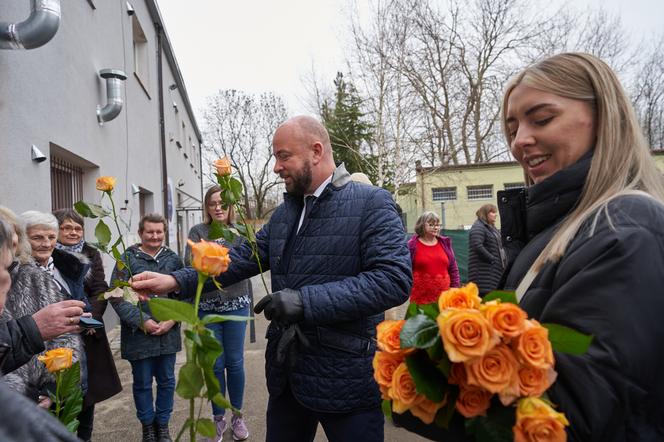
(152, 218)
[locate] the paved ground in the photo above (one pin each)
(115, 419)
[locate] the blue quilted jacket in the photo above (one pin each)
(350, 263)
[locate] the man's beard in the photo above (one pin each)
(301, 182)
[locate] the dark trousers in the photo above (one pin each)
(86, 420)
(289, 421)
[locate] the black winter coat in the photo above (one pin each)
(103, 380)
(485, 265)
(350, 263)
(24, 339)
(609, 284)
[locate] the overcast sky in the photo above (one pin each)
(268, 45)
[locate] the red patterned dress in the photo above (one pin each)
(430, 275)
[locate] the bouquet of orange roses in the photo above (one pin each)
(481, 358)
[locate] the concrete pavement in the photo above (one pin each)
(115, 419)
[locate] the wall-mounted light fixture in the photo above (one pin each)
(130, 9)
(37, 155)
(135, 189)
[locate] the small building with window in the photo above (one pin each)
(456, 192)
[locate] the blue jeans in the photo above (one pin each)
(229, 366)
(162, 368)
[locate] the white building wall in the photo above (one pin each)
(49, 96)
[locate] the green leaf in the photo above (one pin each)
(444, 415)
(566, 340)
(429, 381)
(70, 380)
(386, 406)
(235, 186)
(431, 310)
(73, 404)
(72, 426)
(100, 247)
(210, 343)
(90, 210)
(190, 381)
(164, 309)
(103, 233)
(419, 331)
(221, 401)
(412, 310)
(221, 230)
(193, 337)
(213, 318)
(120, 283)
(496, 426)
(118, 257)
(503, 296)
(205, 427)
(247, 231)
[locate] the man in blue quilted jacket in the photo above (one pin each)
(338, 260)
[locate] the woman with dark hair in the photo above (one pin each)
(434, 265)
(234, 300)
(103, 380)
(486, 258)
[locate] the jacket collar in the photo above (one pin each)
(556, 196)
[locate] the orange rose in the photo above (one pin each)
(426, 410)
(458, 375)
(466, 334)
(537, 421)
(495, 371)
(57, 359)
(387, 334)
(223, 166)
(463, 297)
(533, 346)
(105, 183)
(473, 401)
(209, 258)
(535, 381)
(384, 365)
(508, 320)
(402, 390)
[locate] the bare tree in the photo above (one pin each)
(648, 94)
(240, 126)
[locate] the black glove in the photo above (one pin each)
(283, 306)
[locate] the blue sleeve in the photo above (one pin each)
(386, 277)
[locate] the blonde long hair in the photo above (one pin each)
(621, 163)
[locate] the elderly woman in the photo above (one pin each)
(32, 290)
(434, 265)
(486, 258)
(103, 380)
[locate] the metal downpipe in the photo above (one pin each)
(37, 30)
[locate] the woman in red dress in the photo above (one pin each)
(434, 266)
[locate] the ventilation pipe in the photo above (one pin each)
(34, 32)
(114, 79)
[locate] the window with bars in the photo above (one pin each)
(444, 193)
(66, 184)
(510, 186)
(483, 192)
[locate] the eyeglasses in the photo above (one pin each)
(215, 205)
(69, 229)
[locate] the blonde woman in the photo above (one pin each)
(588, 232)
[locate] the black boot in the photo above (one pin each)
(149, 434)
(162, 433)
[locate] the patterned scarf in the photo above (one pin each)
(76, 248)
